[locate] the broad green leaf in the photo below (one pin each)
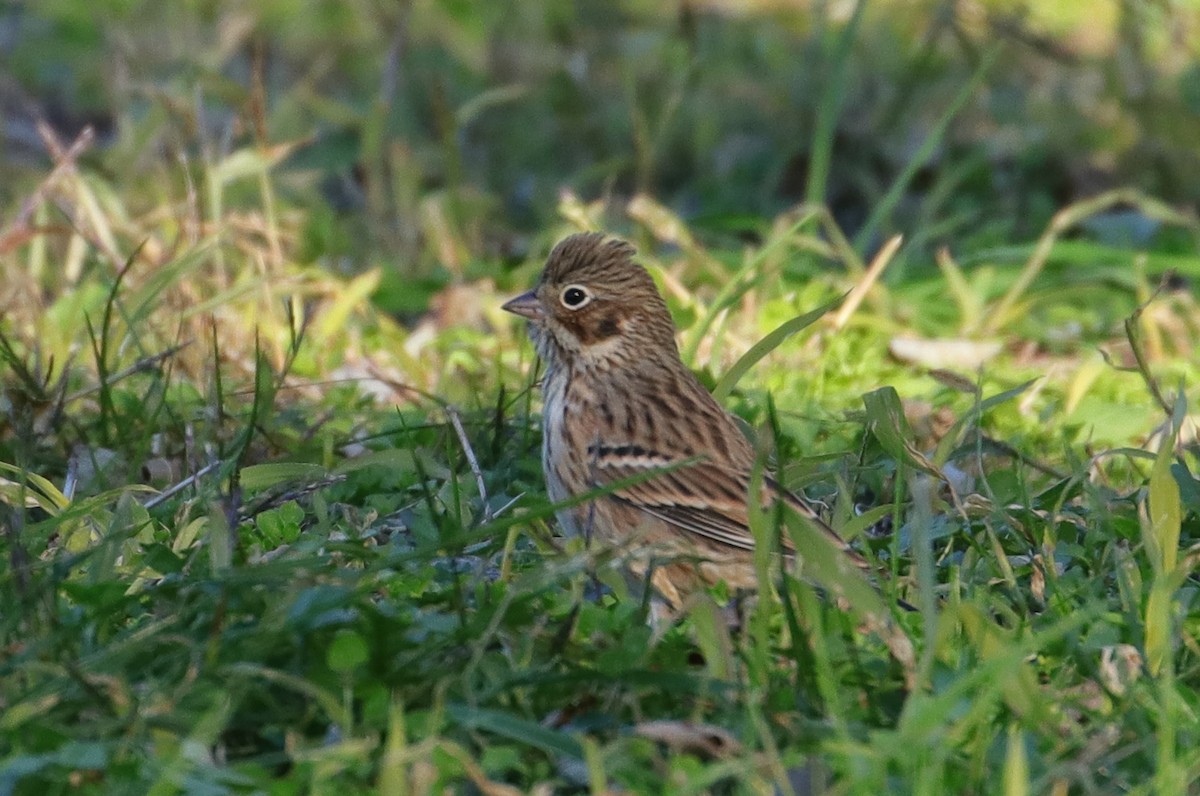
(187, 536)
(1108, 421)
(516, 728)
(1082, 252)
(281, 525)
(1016, 763)
(712, 636)
(1158, 625)
(257, 477)
(347, 652)
(15, 494)
(48, 496)
(885, 417)
(856, 525)
(399, 459)
(1162, 538)
(83, 755)
(220, 539)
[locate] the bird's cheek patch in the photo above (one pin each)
(607, 327)
(594, 328)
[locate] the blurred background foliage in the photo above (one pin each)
(430, 136)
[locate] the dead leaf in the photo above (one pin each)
(945, 353)
(707, 740)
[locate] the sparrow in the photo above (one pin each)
(624, 420)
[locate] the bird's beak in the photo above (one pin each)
(526, 305)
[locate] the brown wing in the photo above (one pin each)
(697, 496)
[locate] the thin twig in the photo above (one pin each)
(400, 387)
(182, 485)
(143, 364)
(507, 505)
(472, 462)
(1008, 450)
(1139, 356)
(295, 491)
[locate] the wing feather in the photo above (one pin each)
(697, 496)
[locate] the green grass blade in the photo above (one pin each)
(767, 345)
(833, 90)
(516, 728)
(884, 208)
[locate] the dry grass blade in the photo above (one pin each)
(18, 230)
(1064, 220)
(864, 285)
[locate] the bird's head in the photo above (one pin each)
(595, 306)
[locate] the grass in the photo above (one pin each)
(271, 511)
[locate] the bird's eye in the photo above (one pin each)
(575, 296)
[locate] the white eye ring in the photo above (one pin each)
(575, 297)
